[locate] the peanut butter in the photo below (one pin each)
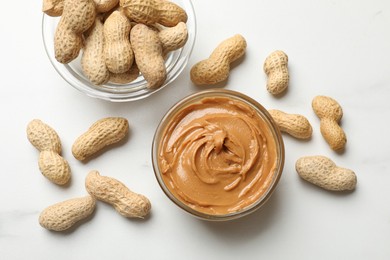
(217, 156)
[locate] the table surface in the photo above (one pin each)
(335, 48)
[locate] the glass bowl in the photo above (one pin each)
(182, 137)
(72, 72)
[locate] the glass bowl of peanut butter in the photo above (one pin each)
(218, 155)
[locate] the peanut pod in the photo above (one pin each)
(102, 133)
(93, 61)
(43, 137)
(296, 125)
(330, 113)
(275, 66)
(216, 68)
(323, 172)
(148, 55)
(114, 192)
(63, 215)
(77, 17)
(54, 167)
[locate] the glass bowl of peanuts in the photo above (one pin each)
(147, 54)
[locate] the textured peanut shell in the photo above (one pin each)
(77, 17)
(53, 7)
(67, 44)
(54, 167)
(216, 68)
(93, 61)
(170, 14)
(296, 125)
(114, 192)
(140, 11)
(323, 172)
(148, 55)
(330, 113)
(103, 6)
(173, 38)
(102, 133)
(275, 66)
(43, 137)
(107, 14)
(154, 11)
(333, 134)
(117, 49)
(63, 215)
(327, 107)
(126, 77)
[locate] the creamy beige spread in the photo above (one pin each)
(217, 156)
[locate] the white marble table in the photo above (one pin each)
(335, 48)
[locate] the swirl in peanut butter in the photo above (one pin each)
(217, 156)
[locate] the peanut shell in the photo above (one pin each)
(173, 38)
(330, 113)
(323, 172)
(63, 215)
(296, 125)
(54, 167)
(93, 61)
(53, 7)
(103, 6)
(117, 49)
(275, 66)
(102, 133)
(77, 17)
(126, 77)
(216, 68)
(43, 137)
(114, 192)
(170, 14)
(148, 55)
(150, 12)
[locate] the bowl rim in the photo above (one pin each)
(137, 89)
(261, 111)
